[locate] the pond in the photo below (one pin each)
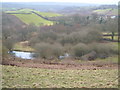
(23, 55)
(30, 55)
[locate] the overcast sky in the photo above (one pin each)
(81, 1)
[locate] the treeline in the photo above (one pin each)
(79, 36)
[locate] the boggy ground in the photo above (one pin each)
(62, 64)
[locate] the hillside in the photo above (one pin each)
(27, 16)
(32, 18)
(11, 20)
(106, 11)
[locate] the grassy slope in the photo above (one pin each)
(45, 14)
(19, 11)
(48, 14)
(32, 18)
(106, 11)
(48, 78)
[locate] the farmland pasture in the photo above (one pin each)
(19, 11)
(26, 16)
(22, 77)
(32, 18)
(45, 14)
(48, 14)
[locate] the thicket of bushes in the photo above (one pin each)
(76, 43)
(80, 50)
(102, 50)
(48, 51)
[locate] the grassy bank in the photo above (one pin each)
(32, 18)
(48, 78)
(20, 47)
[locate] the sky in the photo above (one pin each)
(80, 1)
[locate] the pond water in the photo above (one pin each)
(23, 55)
(30, 55)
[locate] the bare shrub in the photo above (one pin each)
(103, 50)
(80, 50)
(4, 51)
(48, 51)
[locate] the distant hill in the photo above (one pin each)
(106, 11)
(107, 7)
(42, 6)
(38, 18)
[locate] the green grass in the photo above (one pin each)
(19, 46)
(45, 14)
(106, 11)
(19, 11)
(21, 77)
(109, 37)
(48, 14)
(113, 59)
(101, 11)
(106, 33)
(32, 18)
(113, 44)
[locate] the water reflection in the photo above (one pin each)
(23, 55)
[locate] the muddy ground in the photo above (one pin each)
(59, 64)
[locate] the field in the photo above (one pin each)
(32, 18)
(20, 11)
(22, 77)
(26, 16)
(107, 11)
(45, 14)
(48, 14)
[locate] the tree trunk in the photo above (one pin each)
(118, 36)
(112, 36)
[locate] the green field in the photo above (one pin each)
(45, 14)
(20, 11)
(48, 14)
(107, 11)
(32, 18)
(22, 77)
(26, 16)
